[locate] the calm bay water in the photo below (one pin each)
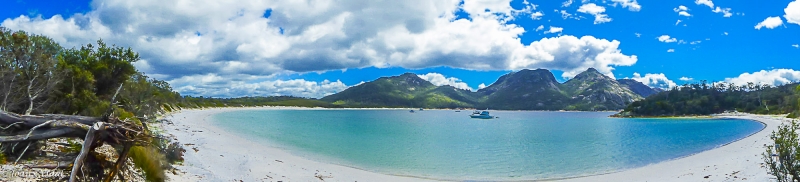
(445, 144)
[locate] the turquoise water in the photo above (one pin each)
(445, 144)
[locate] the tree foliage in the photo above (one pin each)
(783, 158)
(703, 99)
(28, 70)
(38, 76)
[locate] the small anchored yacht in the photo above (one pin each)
(481, 115)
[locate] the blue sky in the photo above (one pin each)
(249, 48)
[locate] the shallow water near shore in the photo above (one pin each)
(444, 144)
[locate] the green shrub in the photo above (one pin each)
(2, 158)
(72, 147)
(149, 161)
(174, 152)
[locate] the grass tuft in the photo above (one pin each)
(149, 161)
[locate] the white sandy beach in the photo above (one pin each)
(737, 161)
(224, 156)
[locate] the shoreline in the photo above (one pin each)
(737, 160)
(213, 154)
(218, 155)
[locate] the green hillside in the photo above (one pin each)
(522, 90)
(396, 91)
(525, 90)
(592, 90)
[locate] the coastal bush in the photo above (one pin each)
(174, 152)
(149, 161)
(2, 158)
(83, 80)
(782, 159)
(796, 113)
(705, 99)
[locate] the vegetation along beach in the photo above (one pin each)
(418, 90)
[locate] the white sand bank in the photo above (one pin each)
(225, 156)
(737, 161)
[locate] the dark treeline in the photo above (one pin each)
(204, 102)
(704, 99)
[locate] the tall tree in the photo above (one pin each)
(29, 67)
(94, 74)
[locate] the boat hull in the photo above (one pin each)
(481, 116)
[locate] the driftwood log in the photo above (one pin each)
(96, 131)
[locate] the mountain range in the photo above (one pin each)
(521, 90)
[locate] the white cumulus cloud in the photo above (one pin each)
(566, 3)
(795, 46)
(682, 10)
(481, 86)
(554, 30)
(566, 15)
(655, 80)
(596, 11)
(540, 28)
(726, 12)
(632, 5)
(775, 77)
(213, 85)
(705, 2)
(439, 80)
(537, 15)
(792, 12)
(572, 55)
(670, 50)
(666, 39)
(686, 78)
(770, 22)
(185, 40)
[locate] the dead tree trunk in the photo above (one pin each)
(123, 156)
(41, 127)
(8, 92)
(91, 136)
(31, 96)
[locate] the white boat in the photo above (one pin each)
(481, 115)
